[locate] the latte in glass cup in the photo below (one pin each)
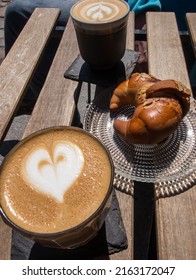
(101, 28)
(55, 186)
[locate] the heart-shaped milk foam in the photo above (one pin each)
(53, 172)
(99, 11)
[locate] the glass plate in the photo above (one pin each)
(170, 165)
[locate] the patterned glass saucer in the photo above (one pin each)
(170, 165)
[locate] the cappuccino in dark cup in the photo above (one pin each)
(55, 187)
(101, 28)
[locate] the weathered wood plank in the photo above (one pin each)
(191, 20)
(18, 66)
(176, 228)
(126, 202)
(56, 105)
(166, 58)
(175, 216)
(5, 241)
(15, 72)
(130, 31)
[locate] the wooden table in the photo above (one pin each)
(176, 215)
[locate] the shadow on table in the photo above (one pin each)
(82, 72)
(6, 147)
(93, 249)
(144, 217)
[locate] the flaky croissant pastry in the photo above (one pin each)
(160, 107)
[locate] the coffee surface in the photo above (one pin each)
(54, 181)
(94, 11)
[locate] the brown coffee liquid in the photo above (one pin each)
(37, 212)
(103, 47)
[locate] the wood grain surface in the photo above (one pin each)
(56, 103)
(165, 54)
(191, 20)
(126, 202)
(175, 215)
(15, 73)
(17, 68)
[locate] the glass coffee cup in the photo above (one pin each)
(101, 29)
(56, 187)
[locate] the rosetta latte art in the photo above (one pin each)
(99, 11)
(53, 172)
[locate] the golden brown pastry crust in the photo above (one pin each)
(160, 107)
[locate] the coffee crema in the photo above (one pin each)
(94, 11)
(54, 180)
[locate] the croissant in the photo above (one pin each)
(160, 107)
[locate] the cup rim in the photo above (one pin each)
(98, 23)
(80, 225)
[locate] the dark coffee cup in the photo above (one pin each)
(101, 28)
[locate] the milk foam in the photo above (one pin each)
(99, 11)
(53, 171)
